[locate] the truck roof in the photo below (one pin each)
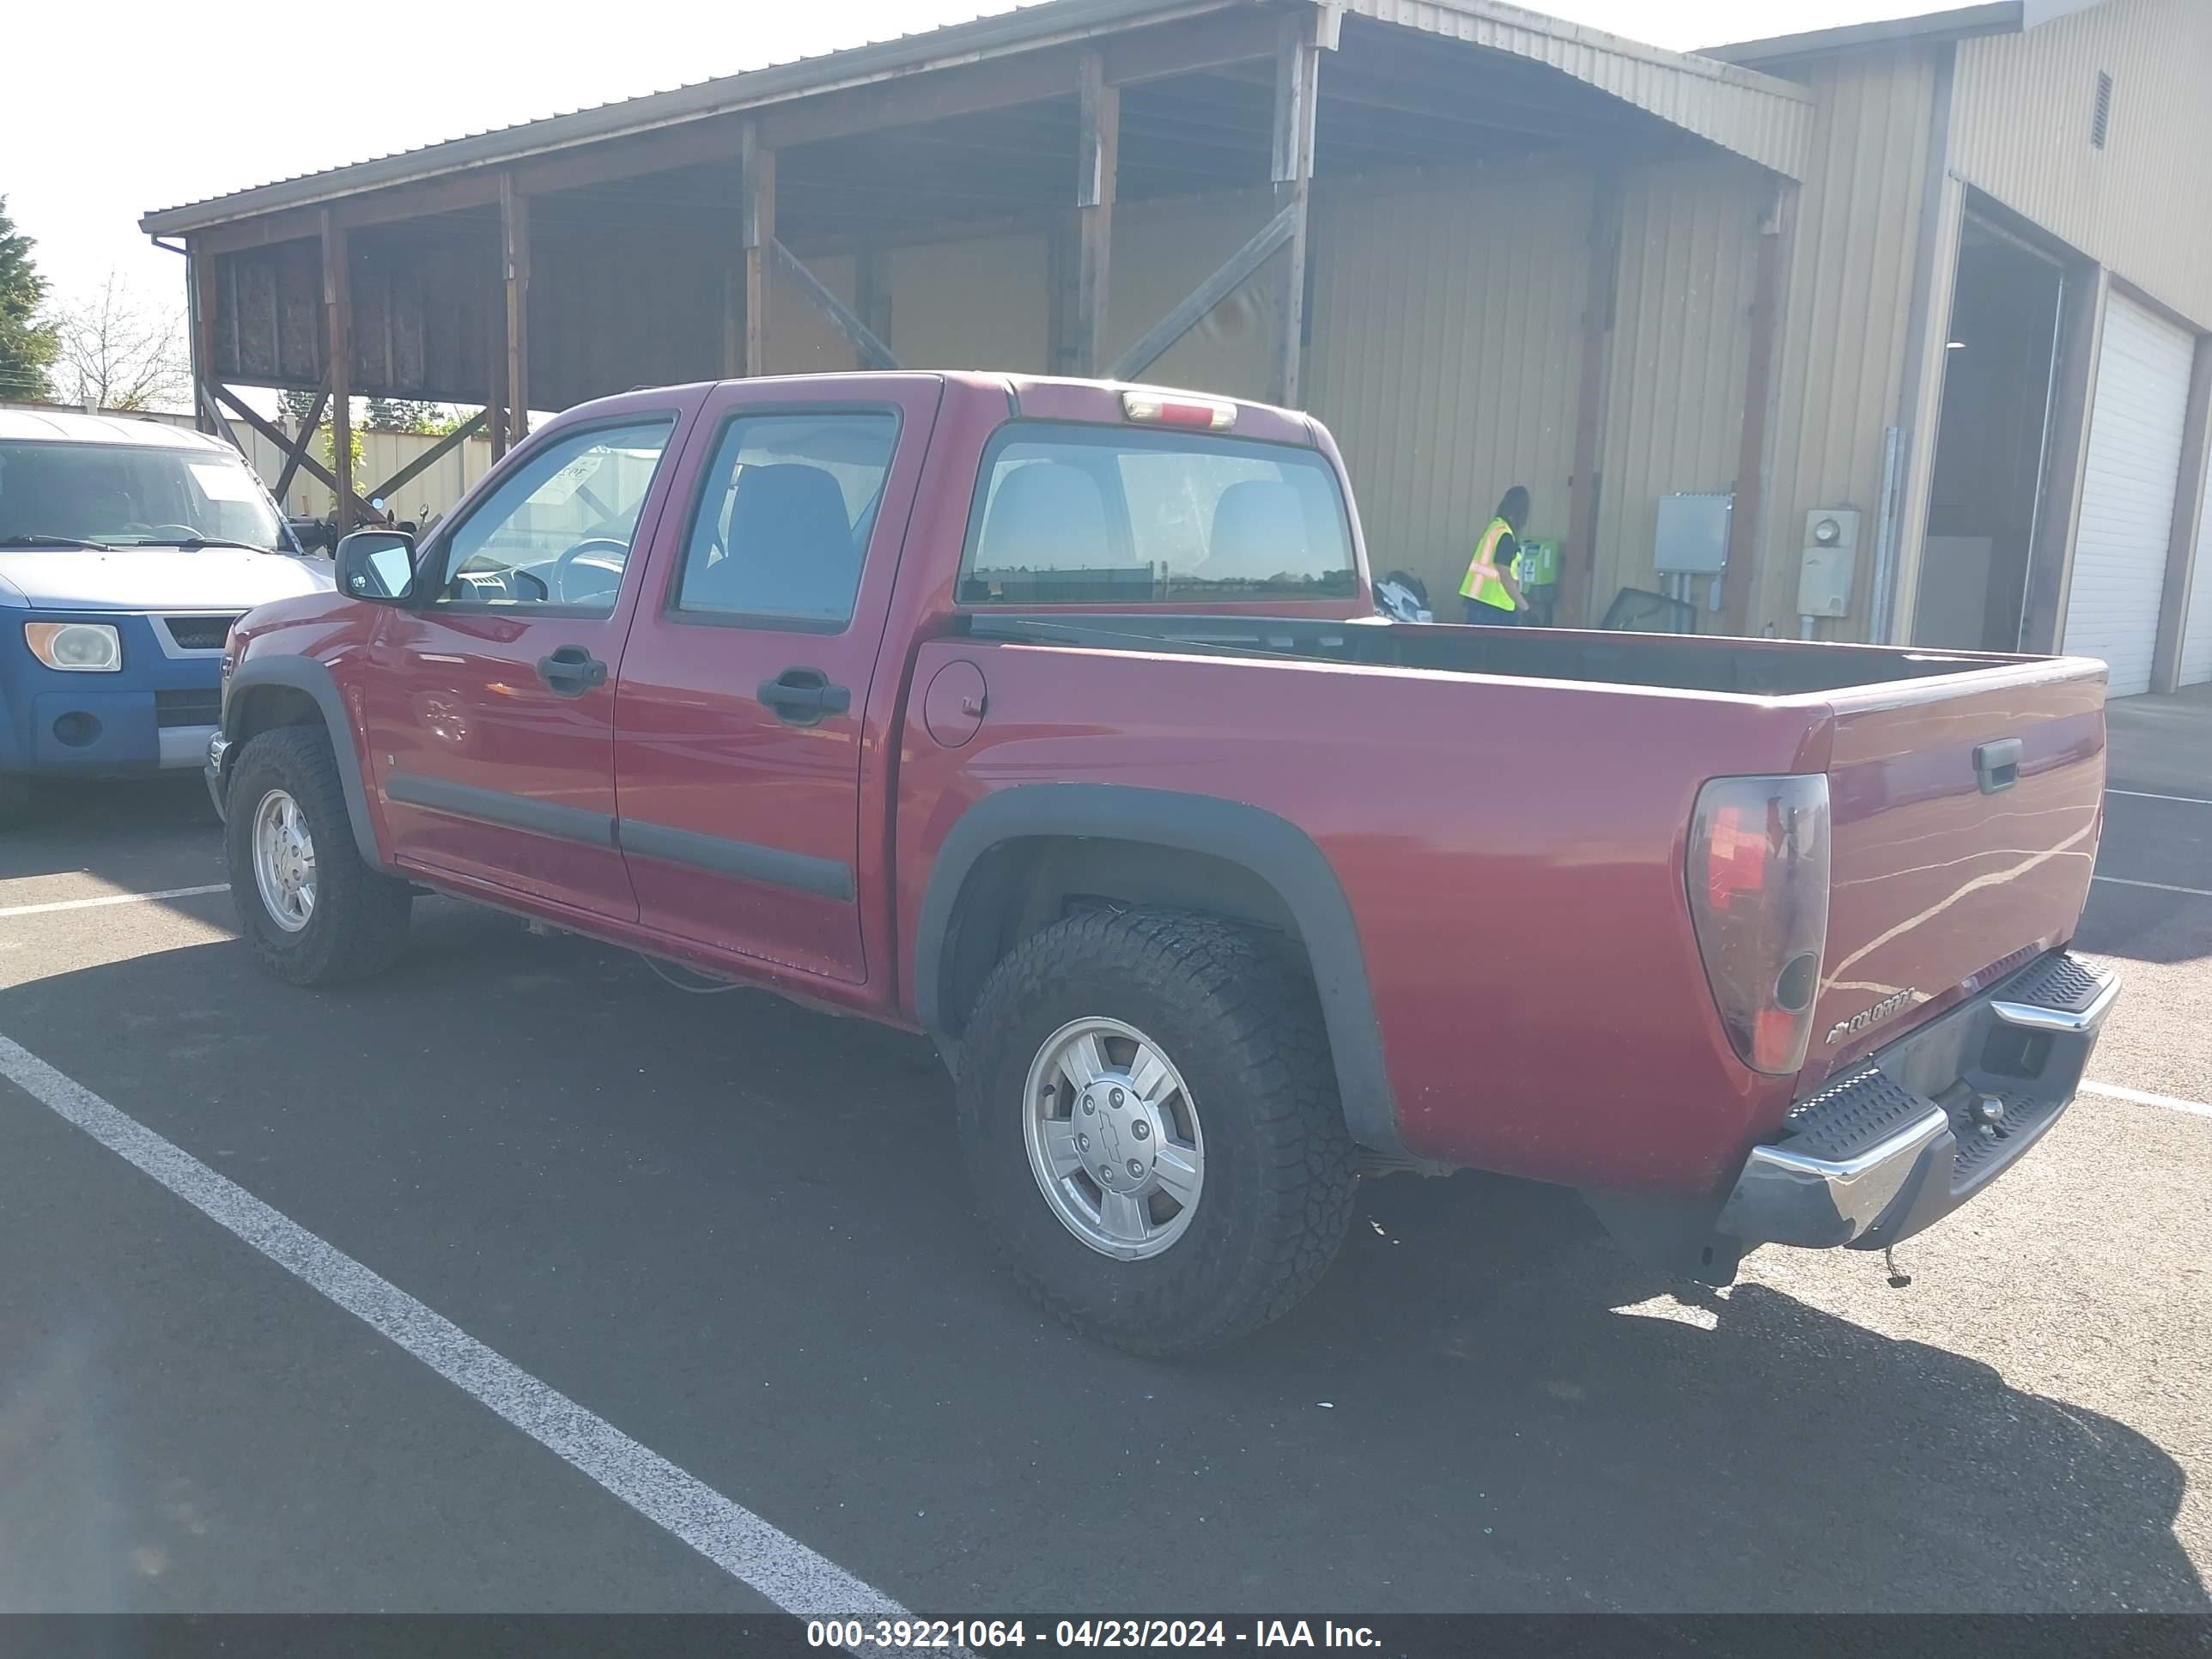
(65, 426)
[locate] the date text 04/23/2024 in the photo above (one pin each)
(859, 1634)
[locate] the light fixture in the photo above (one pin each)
(1955, 345)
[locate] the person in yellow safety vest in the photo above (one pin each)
(1491, 593)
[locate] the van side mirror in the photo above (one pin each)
(378, 566)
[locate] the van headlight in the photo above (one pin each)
(76, 648)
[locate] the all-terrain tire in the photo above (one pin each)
(358, 924)
(1238, 1018)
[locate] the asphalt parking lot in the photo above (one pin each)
(735, 1232)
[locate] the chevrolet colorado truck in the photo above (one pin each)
(1054, 719)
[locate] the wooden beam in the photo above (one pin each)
(756, 233)
(872, 295)
(1232, 275)
(496, 357)
(308, 464)
(873, 353)
(1577, 602)
(1297, 67)
(337, 306)
(200, 301)
(1098, 147)
(514, 262)
(1747, 519)
(430, 457)
(296, 453)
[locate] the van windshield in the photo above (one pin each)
(120, 496)
(1076, 515)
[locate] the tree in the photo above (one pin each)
(119, 351)
(28, 344)
(401, 414)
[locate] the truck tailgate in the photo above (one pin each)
(1948, 869)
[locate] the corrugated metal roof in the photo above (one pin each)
(1752, 114)
(1962, 23)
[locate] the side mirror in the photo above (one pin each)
(378, 566)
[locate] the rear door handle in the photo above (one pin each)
(802, 696)
(1997, 765)
(572, 671)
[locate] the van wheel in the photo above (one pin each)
(315, 912)
(1150, 1121)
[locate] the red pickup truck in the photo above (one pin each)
(1054, 720)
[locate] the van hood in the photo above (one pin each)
(154, 578)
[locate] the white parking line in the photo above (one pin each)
(2159, 886)
(2144, 1097)
(114, 898)
(733, 1537)
(2145, 794)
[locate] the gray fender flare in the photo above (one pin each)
(1272, 848)
(306, 674)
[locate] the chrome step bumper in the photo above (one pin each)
(1900, 1142)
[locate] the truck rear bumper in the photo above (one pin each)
(1899, 1143)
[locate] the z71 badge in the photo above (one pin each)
(1873, 1016)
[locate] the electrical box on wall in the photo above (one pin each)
(1691, 536)
(1831, 556)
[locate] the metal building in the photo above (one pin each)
(1486, 247)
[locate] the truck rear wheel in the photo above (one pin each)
(1150, 1120)
(311, 908)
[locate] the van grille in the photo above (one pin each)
(199, 633)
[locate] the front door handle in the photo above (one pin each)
(802, 696)
(572, 671)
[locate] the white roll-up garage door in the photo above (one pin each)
(2197, 632)
(2127, 492)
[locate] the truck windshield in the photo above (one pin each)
(120, 496)
(1076, 515)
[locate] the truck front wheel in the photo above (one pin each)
(1150, 1124)
(312, 909)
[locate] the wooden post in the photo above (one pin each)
(1297, 70)
(496, 357)
(338, 304)
(514, 251)
(1098, 148)
(1747, 519)
(756, 224)
(1578, 605)
(200, 297)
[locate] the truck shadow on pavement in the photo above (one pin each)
(737, 1231)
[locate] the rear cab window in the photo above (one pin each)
(1105, 515)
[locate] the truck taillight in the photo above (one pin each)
(1759, 898)
(1154, 408)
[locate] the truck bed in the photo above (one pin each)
(1662, 661)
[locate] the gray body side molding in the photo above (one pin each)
(1272, 848)
(306, 674)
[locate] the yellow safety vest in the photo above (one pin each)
(1483, 583)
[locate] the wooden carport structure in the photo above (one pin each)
(661, 239)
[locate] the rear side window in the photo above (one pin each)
(784, 518)
(1074, 515)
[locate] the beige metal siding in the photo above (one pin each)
(1161, 253)
(1447, 344)
(2142, 205)
(1855, 248)
(1689, 244)
(979, 303)
(801, 340)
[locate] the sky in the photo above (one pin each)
(117, 107)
